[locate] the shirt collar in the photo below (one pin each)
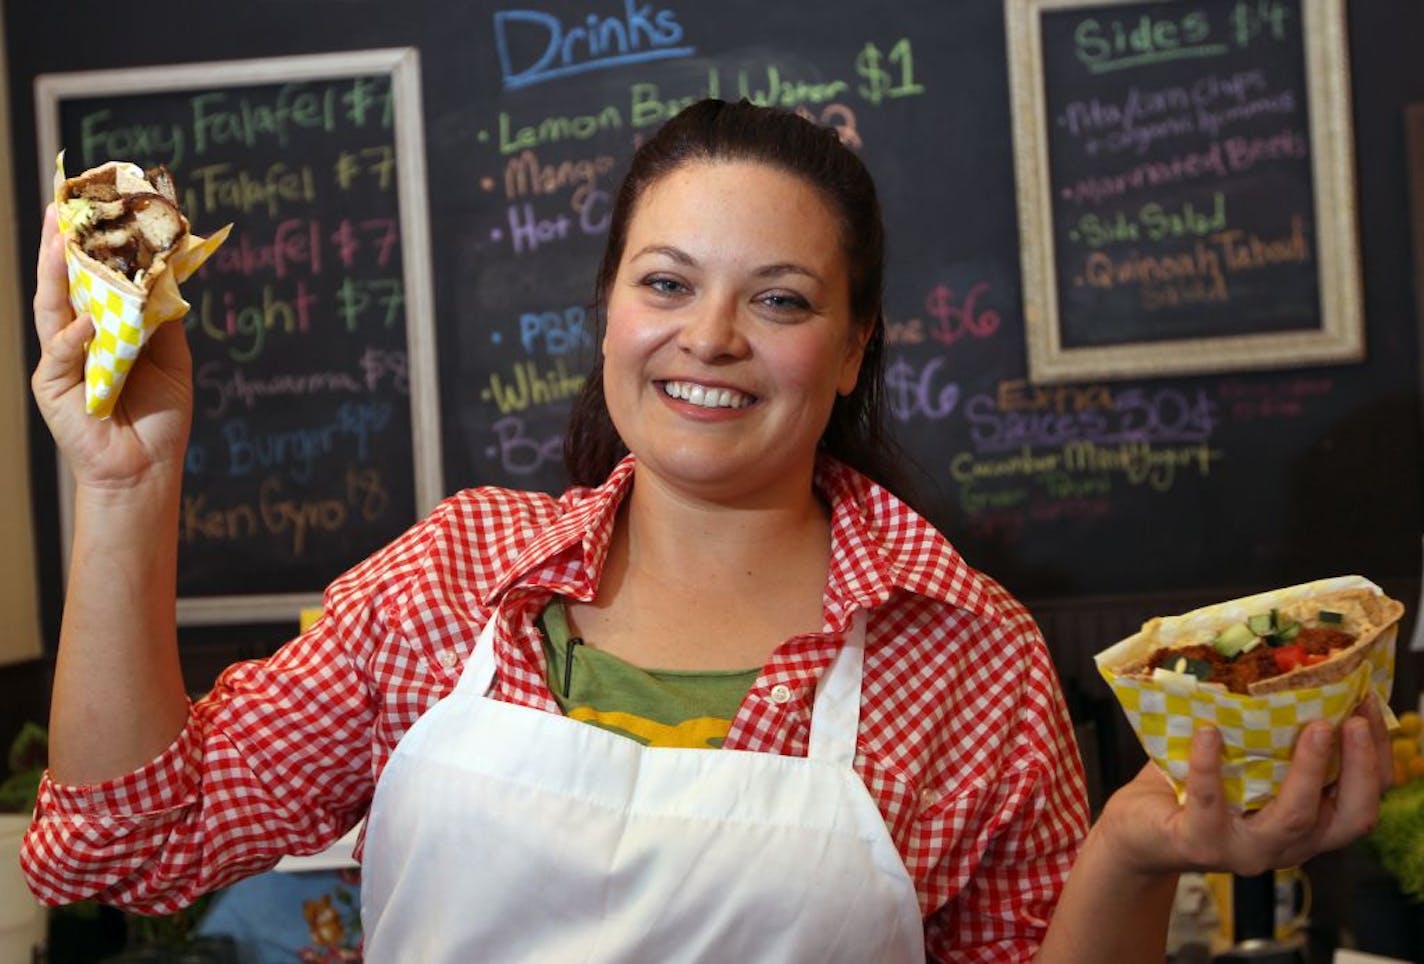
(879, 545)
(567, 555)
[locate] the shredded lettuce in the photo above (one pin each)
(78, 211)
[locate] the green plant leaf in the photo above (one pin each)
(27, 760)
(30, 749)
(1398, 837)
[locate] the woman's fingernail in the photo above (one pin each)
(1209, 738)
(1320, 737)
(1359, 734)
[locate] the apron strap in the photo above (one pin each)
(478, 673)
(835, 717)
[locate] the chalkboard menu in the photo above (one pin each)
(1110, 483)
(1089, 486)
(310, 327)
(543, 146)
(1186, 178)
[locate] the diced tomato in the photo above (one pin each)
(1294, 656)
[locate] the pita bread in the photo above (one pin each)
(120, 214)
(1365, 614)
(125, 180)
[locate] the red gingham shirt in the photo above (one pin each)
(964, 743)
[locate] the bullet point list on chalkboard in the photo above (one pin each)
(1181, 178)
(496, 234)
(495, 337)
(487, 183)
(482, 136)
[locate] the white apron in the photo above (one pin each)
(508, 834)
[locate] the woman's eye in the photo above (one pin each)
(664, 285)
(785, 301)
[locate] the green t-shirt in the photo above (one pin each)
(655, 707)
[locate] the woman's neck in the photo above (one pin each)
(691, 584)
(671, 535)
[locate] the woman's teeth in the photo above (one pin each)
(706, 397)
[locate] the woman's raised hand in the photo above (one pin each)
(1309, 815)
(148, 431)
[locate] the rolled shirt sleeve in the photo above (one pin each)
(276, 759)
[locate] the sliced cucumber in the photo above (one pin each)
(1234, 639)
(1260, 624)
(1272, 627)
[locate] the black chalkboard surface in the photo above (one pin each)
(542, 143)
(1135, 484)
(1091, 486)
(305, 453)
(1182, 179)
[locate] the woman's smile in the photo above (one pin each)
(706, 396)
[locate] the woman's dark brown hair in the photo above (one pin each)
(713, 130)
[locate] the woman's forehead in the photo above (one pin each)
(737, 207)
(744, 176)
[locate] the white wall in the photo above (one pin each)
(19, 595)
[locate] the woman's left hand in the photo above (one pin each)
(1155, 834)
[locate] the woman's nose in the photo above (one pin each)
(712, 331)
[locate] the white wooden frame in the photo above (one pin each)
(1341, 337)
(403, 66)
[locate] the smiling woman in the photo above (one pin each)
(833, 218)
(729, 645)
(716, 298)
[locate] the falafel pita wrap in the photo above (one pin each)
(1258, 668)
(127, 246)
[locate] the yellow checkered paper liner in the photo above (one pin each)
(120, 330)
(1258, 733)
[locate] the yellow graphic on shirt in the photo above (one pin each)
(697, 733)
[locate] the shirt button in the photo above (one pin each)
(928, 797)
(780, 693)
(448, 658)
